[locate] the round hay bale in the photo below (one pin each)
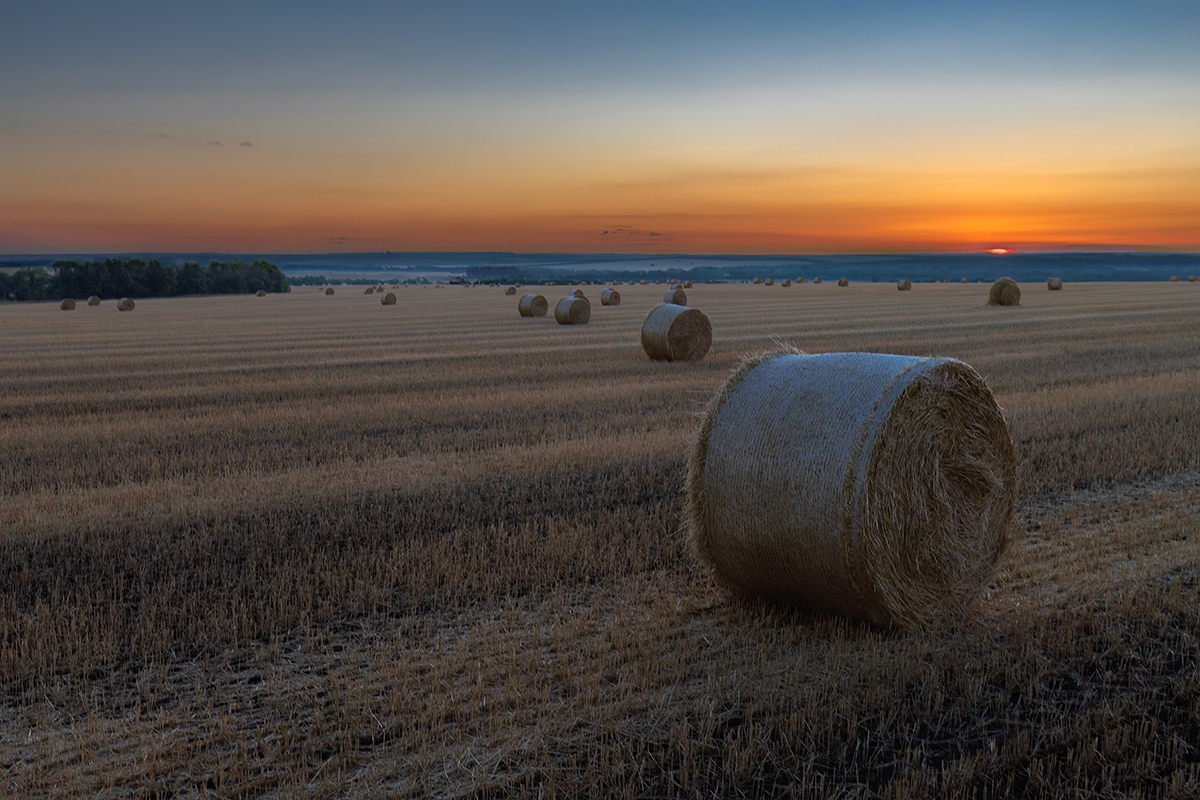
(801, 280)
(125, 304)
(93, 300)
(758, 280)
(676, 333)
(786, 282)
(610, 297)
(389, 299)
(261, 293)
(645, 282)
(576, 293)
(329, 290)
(904, 285)
(573, 311)
(1191, 278)
(816, 280)
(511, 290)
(369, 290)
(966, 280)
(876, 486)
(769, 282)
(533, 305)
(687, 284)
(1004, 292)
(1174, 278)
(843, 282)
(1054, 284)
(676, 296)
(68, 304)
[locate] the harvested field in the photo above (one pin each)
(295, 549)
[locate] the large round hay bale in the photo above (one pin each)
(904, 285)
(786, 282)
(816, 280)
(610, 297)
(576, 293)
(329, 290)
(843, 281)
(261, 293)
(573, 311)
(533, 305)
(125, 304)
(94, 300)
(676, 333)
(1004, 292)
(511, 290)
(876, 486)
(1054, 284)
(389, 299)
(676, 296)
(68, 304)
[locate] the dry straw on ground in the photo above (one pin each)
(876, 486)
(1004, 292)
(676, 333)
(329, 290)
(260, 293)
(904, 285)
(843, 281)
(676, 296)
(573, 311)
(1054, 284)
(610, 297)
(511, 290)
(533, 305)
(389, 299)
(68, 304)
(94, 300)
(125, 304)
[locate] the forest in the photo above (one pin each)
(136, 277)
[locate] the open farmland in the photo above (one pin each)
(311, 545)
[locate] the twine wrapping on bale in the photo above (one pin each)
(125, 304)
(904, 285)
(389, 299)
(610, 297)
(261, 293)
(876, 486)
(533, 305)
(1004, 292)
(511, 290)
(676, 333)
(94, 300)
(329, 290)
(676, 296)
(68, 304)
(573, 311)
(843, 281)
(1054, 284)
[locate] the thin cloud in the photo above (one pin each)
(214, 143)
(245, 144)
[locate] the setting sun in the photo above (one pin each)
(999, 251)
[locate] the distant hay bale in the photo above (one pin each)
(675, 296)
(904, 285)
(329, 290)
(769, 282)
(1004, 292)
(676, 333)
(687, 284)
(573, 311)
(610, 297)
(843, 282)
(1191, 278)
(261, 293)
(786, 282)
(576, 293)
(389, 299)
(125, 304)
(511, 290)
(966, 280)
(758, 280)
(1054, 284)
(816, 280)
(658, 283)
(645, 282)
(533, 305)
(801, 280)
(876, 486)
(1174, 278)
(93, 300)
(369, 290)
(68, 304)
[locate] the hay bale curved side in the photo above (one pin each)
(261, 293)
(329, 290)
(573, 311)
(904, 285)
(676, 333)
(1004, 292)
(675, 296)
(876, 486)
(1054, 284)
(610, 297)
(389, 299)
(94, 300)
(511, 290)
(125, 304)
(68, 304)
(533, 305)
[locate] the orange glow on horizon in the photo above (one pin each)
(999, 251)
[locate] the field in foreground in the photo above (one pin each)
(310, 545)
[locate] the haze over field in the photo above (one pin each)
(700, 127)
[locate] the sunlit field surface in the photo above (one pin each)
(309, 545)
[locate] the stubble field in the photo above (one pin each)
(305, 545)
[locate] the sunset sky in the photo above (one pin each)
(756, 127)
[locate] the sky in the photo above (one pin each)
(753, 127)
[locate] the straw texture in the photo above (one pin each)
(68, 304)
(94, 300)
(389, 299)
(904, 285)
(1054, 284)
(676, 333)
(676, 296)
(876, 486)
(610, 297)
(533, 305)
(573, 311)
(125, 304)
(1004, 292)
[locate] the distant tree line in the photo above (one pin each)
(114, 277)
